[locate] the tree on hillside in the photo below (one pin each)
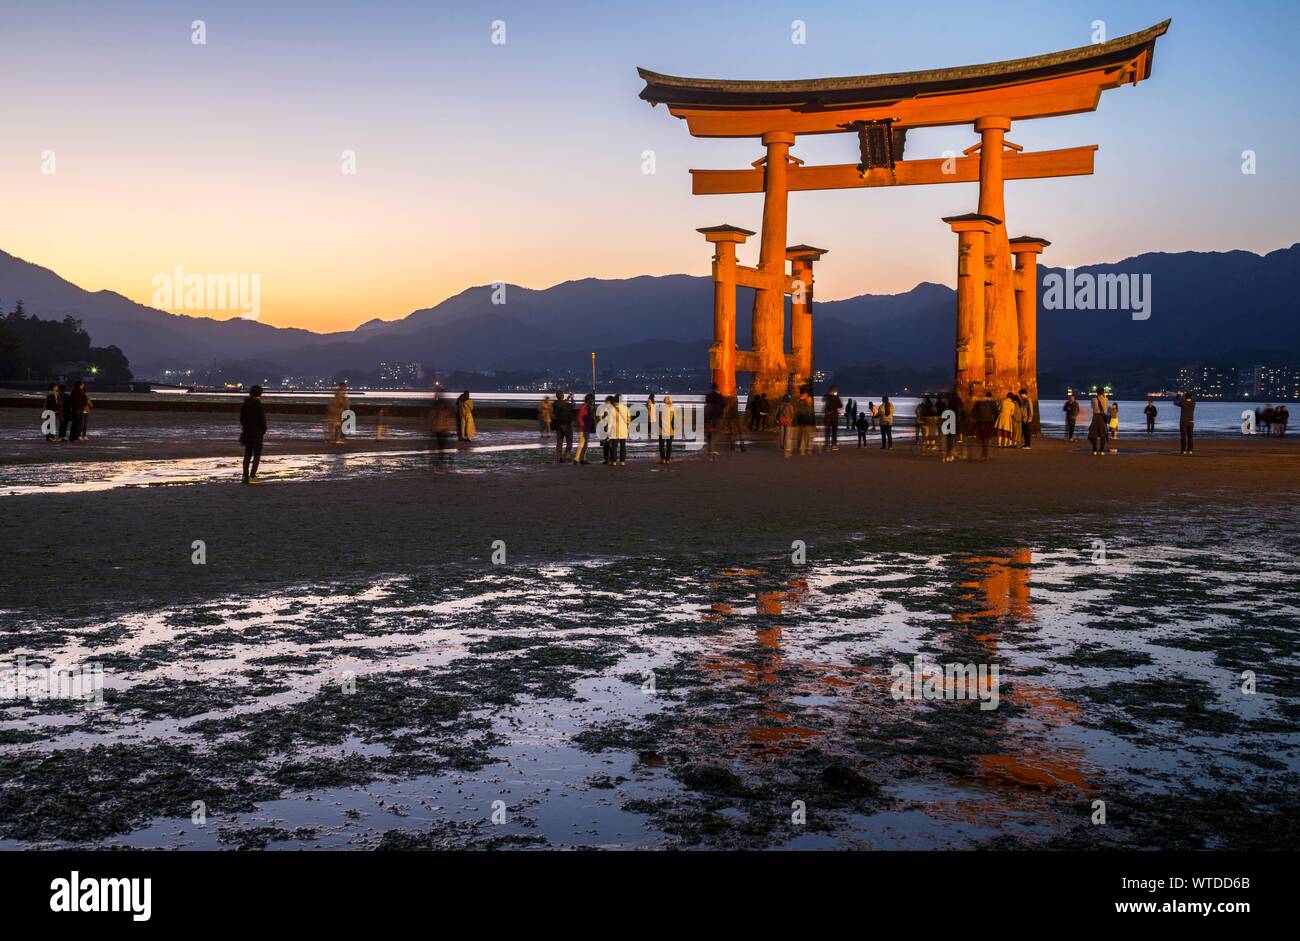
(31, 348)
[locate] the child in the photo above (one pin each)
(863, 424)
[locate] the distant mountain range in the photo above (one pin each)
(1212, 307)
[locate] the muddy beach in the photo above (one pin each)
(652, 663)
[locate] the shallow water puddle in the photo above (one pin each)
(94, 476)
(580, 706)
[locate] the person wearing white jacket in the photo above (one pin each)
(667, 430)
(620, 423)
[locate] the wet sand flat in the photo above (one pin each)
(649, 666)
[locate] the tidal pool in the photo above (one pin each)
(92, 476)
(684, 701)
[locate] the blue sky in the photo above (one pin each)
(478, 162)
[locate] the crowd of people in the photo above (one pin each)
(609, 422)
(1103, 426)
(941, 422)
(1272, 421)
(71, 412)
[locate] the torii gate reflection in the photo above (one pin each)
(998, 587)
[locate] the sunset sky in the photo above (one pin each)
(523, 162)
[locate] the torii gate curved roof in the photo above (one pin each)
(1066, 82)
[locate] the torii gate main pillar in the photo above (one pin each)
(801, 322)
(973, 232)
(722, 354)
(770, 374)
(1001, 333)
(1027, 248)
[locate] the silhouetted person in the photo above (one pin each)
(947, 432)
(1099, 427)
(1026, 418)
(985, 410)
(444, 426)
(65, 415)
(80, 410)
(863, 424)
(1186, 419)
(961, 426)
(785, 410)
(925, 425)
(714, 404)
(54, 403)
(732, 429)
(805, 421)
(831, 406)
(1150, 413)
(1071, 416)
(252, 423)
(586, 427)
(562, 422)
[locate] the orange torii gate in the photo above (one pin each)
(997, 315)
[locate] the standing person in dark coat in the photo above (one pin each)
(831, 407)
(443, 420)
(714, 404)
(605, 428)
(732, 429)
(252, 422)
(1026, 419)
(54, 403)
(65, 416)
(80, 407)
(1186, 418)
(1099, 427)
(562, 422)
(947, 418)
(1071, 416)
(985, 412)
(1150, 413)
(862, 423)
(805, 420)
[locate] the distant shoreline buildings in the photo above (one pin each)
(1241, 383)
(1254, 383)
